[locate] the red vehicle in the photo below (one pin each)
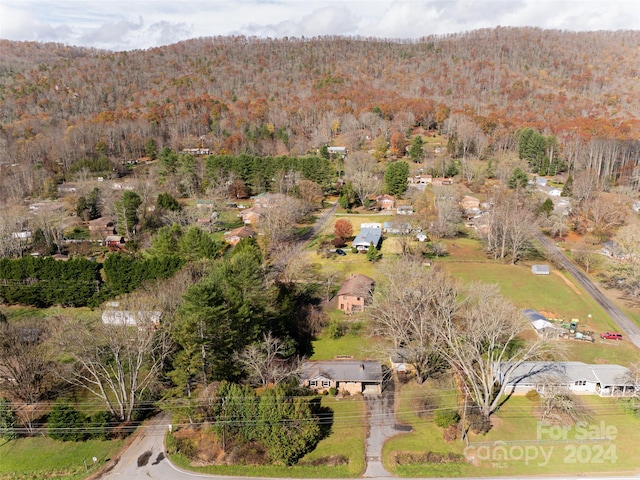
(611, 336)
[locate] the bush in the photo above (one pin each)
(66, 423)
(333, 391)
(445, 417)
(99, 425)
(336, 329)
(533, 396)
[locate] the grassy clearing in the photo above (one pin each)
(346, 440)
(516, 425)
(326, 348)
(42, 457)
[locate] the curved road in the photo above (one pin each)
(626, 325)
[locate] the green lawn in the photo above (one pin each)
(326, 348)
(42, 457)
(346, 440)
(516, 425)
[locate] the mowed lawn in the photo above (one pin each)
(518, 444)
(42, 457)
(556, 296)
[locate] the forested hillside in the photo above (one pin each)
(60, 104)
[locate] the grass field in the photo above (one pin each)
(42, 457)
(346, 440)
(529, 447)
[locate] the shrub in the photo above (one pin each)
(533, 396)
(336, 329)
(445, 417)
(66, 423)
(333, 391)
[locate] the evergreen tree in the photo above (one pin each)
(150, 149)
(518, 179)
(8, 420)
(127, 208)
(66, 423)
(396, 178)
(416, 151)
(567, 189)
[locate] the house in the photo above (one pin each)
(541, 181)
(405, 210)
(235, 235)
(438, 182)
(370, 233)
(613, 250)
(400, 362)
(114, 241)
(269, 200)
(195, 151)
(342, 151)
(23, 235)
(101, 227)
(354, 293)
(422, 179)
(130, 318)
(346, 376)
(578, 377)
(251, 216)
(541, 269)
(395, 227)
(470, 204)
(385, 202)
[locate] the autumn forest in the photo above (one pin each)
(60, 105)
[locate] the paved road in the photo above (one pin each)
(626, 325)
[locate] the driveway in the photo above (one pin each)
(382, 426)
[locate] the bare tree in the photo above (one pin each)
(27, 371)
(269, 362)
(448, 214)
(479, 340)
(117, 363)
(25, 366)
(559, 405)
(361, 171)
(406, 309)
(509, 226)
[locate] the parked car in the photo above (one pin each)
(341, 252)
(611, 336)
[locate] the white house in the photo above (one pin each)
(130, 318)
(370, 233)
(577, 377)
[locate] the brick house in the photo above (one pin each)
(354, 293)
(346, 376)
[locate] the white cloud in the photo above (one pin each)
(130, 24)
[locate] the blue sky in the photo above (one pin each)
(139, 24)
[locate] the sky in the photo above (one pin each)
(141, 24)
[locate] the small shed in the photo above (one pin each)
(541, 269)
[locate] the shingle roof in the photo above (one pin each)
(357, 285)
(569, 372)
(343, 371)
